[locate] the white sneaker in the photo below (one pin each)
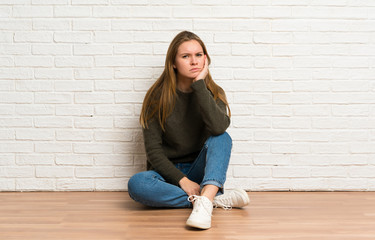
(236, 198)
(200, 217)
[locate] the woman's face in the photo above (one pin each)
(189, 60)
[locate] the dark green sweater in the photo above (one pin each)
(195, 117)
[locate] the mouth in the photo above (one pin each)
(195, 69)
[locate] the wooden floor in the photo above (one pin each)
(113, 215)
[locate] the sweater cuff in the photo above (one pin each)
(199, 84)
(177, 178)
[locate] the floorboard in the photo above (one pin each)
(113, 215)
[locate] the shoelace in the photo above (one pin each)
(193, 198)
(225, 202)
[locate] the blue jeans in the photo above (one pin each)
(210, 167)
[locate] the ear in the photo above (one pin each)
(174, 66)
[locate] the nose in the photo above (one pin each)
(194, 60)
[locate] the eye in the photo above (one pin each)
(185, 56)
(199, 54)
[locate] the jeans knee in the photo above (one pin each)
(224, 138)
(227, 138)
(135, 183)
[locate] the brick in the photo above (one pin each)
(35, 159)
(273, 136)
(111, 12)
(54, 172)
(116, 184)
(92, 74)
(74, 86)
(34, 61)
(150, 12)
(310, 136)
(30, 184)
(7, 134)
(133, 49)
(251, 122)
(93, 122)
(212, 24)
(32, 11)
(97, 98)
(74, 110)
(11, 97)
(291, 98)
(114, 160)
(53, 147)
(53, 122)
(15, 122)
(93, 172)
(51, 25)
(115, 36)
(53, 98)
(287, 172)
(91, 2)
(34, 86)
(291, 123)
(272, 12)
(74, 61)
(72, 11)
(350, 110)
(171, 25)
(55, 49)
(7, 159)
(361, 172)
(6, 110)
(114, 61)
(127, 171)
(128, 148)
(114, 110)
(113, 136)
(232, 12)
(232, 37)
(72, 37)
(272, 111)
(151, 61)
(53, 74)
(74, 185)
(35, 109)
(251, 172)
(312, 86)
(16, 147)
(6, 62)
(74, 159)
(362, 148)
(76, 135)
(129, 97)
(33, 37)
(53, 2)
(15, 49)
(7, 184)
(35, 134)
(88, 50)
(15, 24)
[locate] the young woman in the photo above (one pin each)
(184, 120)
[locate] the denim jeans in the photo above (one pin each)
(210, 167)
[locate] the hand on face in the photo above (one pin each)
(203, 73)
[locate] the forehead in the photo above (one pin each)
(190, 46)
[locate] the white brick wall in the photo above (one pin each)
(299, 76)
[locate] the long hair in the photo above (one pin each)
(160, 98)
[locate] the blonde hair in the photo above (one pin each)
(160, 98)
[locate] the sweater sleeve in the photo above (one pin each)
(156, 156)
(213, 112)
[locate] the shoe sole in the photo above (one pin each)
(199, 225)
